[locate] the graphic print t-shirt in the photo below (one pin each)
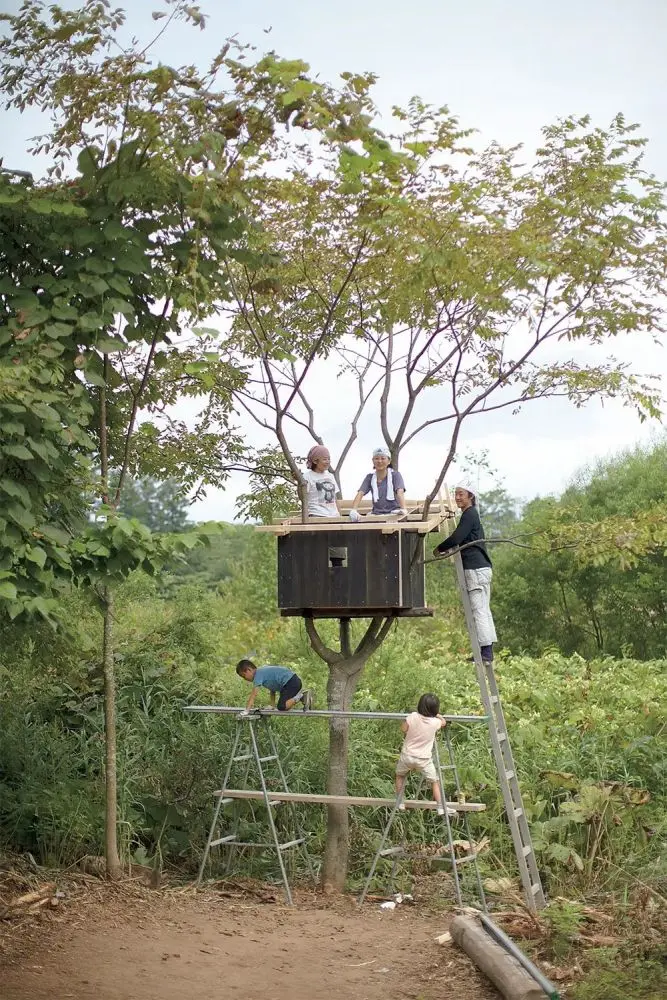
(321, 493)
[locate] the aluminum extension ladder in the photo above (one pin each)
(247, 740)
(401, 854)
(502, 755)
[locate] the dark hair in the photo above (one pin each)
(244, 665)
(429, 705)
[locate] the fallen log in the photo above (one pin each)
(36, 898)
(504, 971)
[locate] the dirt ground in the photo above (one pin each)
(112, 943)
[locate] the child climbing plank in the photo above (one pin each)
(279, 681)
(420, 728)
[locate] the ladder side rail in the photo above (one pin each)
(269, 811)
(466, 820)
(293, 806)
(448, 825)
(532, 887)
(515, 790)
(236, 810)
(383, 840)
(218, 807)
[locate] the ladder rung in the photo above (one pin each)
(251, 756)
(527, 850)
(223, 840)
(448, 767)
(291, 843)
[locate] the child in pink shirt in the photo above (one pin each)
(421, 728)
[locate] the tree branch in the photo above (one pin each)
(324, 652)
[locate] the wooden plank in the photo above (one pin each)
(309, 798)
(325, 524)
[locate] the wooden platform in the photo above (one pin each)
(386, 524)
(349, 800)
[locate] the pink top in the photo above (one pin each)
(421, 735)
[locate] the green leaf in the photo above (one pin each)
(20, 516)
(56, 330)
(87, 161)
(36, 555)
(12, 427)
(8, 591)
(92, 321)
(115, 230)
(35, 315)
(107, 345)
(64, 312)
(55, 534)
(17, 451)
(14, 489)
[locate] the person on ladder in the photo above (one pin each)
(476, 563)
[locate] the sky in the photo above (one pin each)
(506, 70)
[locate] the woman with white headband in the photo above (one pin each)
(476, 565)
(386, 486)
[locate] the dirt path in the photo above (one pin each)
(163, 946)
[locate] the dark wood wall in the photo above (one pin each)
(378, 571)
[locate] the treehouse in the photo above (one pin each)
(337, 568)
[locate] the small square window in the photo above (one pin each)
(337, 556)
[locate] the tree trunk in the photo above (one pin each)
(111, 784)
(343, 679)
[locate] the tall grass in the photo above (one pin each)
(576, 726)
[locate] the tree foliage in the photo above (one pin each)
(596, 583)
(110, 260)
(446, 282)
(160, 506)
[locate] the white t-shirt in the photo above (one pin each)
(421, 735)
(321, 493)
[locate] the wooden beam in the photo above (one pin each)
(384, 525)
(349, 800)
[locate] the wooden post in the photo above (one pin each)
(498, 966)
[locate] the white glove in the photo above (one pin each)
(354, 515)
(244, 713)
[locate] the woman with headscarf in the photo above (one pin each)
(320, 483)
(476, 565)
(386, 486)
